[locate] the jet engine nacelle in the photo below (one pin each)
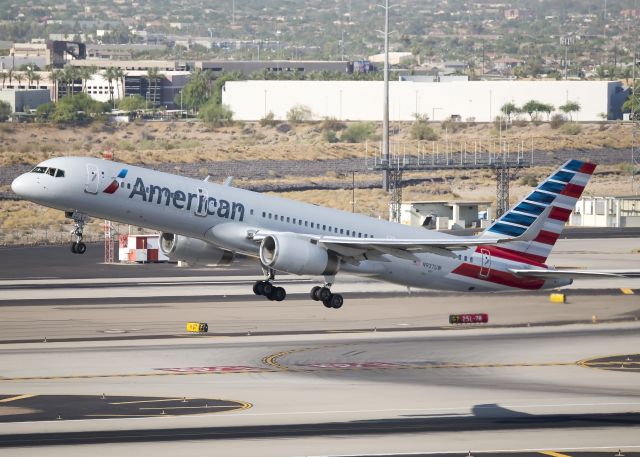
(193, 250)
(297, 255)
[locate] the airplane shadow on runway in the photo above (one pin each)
(484, 417)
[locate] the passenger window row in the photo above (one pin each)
(314, 225)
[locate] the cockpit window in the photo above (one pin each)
(55, 172)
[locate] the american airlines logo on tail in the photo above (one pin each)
(115, 184)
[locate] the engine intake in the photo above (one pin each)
(193, 250)
(297, 255)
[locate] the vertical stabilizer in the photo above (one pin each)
(559, 192)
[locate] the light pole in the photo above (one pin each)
(385, 107)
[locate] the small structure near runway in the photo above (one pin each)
(140, 248)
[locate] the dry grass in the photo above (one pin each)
(175, 142)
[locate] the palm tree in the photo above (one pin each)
(85, 74)
(70, 76)
(29, 74)
(109, 75)
(10, 76)
(3, 75)
(19, 77)
(36, 78)
(118, 75)
(152, 75)
(56, 78)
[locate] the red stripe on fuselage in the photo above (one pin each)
(572, 190)
(515, 256)
(112, 187)
(498, 277)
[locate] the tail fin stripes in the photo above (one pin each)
(560, 191)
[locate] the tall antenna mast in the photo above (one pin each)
(385, 107)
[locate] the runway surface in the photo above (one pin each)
(384, 375)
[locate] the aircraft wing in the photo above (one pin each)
(551, 274)
(405, 248)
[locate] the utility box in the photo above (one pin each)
(140, 248)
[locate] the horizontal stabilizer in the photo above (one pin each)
(564, 274)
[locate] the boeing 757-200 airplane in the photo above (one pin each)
(203, 222)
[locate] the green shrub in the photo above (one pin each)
(331, 123)
(500, 123)
(557, 121)
(529, 180)
(420, 130)
(330, 136)
(571, 128)
(268, 120)
(132, 103)
(5, 111)
(357, 133)
(215, 114)
(44, 112)
(299, 113)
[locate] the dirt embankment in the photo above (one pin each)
(193, 142)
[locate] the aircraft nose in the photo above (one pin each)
(20, 185)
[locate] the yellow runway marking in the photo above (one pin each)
(17, 397)
(168, 408)
(554, 454)
(626, 291)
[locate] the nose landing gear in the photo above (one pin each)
(79, 219)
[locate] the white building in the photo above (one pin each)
(606, 212)
(442, 215)
(363, 100)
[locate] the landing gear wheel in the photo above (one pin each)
(81, 248)
(324, 293)
(336, 301)
(314, 293)
(267, 288)
(327, 303)
(258, 288)
(74, 247)
(279, 294)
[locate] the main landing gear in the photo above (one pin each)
(267, 289)
(328, 299)
(78, 247)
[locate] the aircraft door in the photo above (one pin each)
(485, 267)
(93, 179)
